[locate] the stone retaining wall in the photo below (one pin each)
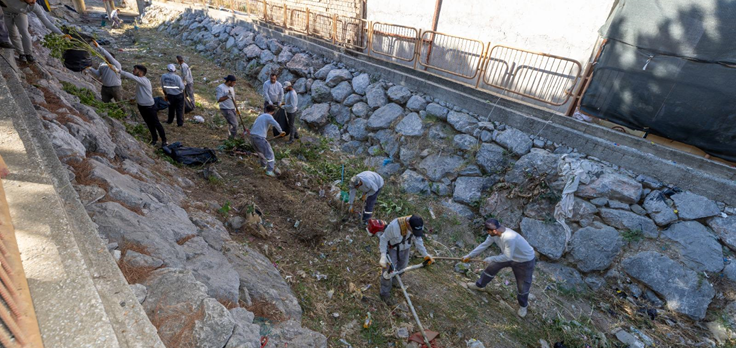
(628, 230)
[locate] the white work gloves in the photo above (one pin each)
(384, 261)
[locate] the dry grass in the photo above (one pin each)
(265, 309)
(176, 327)
(185, 239)
(132, 274)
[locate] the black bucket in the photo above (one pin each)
(76, 60)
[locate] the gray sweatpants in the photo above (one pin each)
(370, 203)
(17, 24)
(189, 91)
(265, 152)
(400, 260)
(232, 121)
(523, 272)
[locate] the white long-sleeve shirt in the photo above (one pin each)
(110, 77)
(372, 182)
(260, 127)
(224, 91)
(392, 236)
(186, 73)
(291, 101)
(144, 94)
(513, 247)
(273, 92)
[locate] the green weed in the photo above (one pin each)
(225, 209)
(632, 236)
(87, 97)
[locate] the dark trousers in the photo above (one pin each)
(370, 202)
(110, 93)
(399, 259)
(523, 272)
(150, 116)
(176, 107)
(292, 116)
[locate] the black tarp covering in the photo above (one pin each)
(666, 69)
(190, 156)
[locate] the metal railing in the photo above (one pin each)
(452, 54)
(394, 41)
(541, 77)
(19, 327)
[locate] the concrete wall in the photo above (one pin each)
(348, 8)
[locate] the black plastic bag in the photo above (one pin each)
(190, 156)
(160, 104)
(76, 60)
(281, 118)
(188, 105)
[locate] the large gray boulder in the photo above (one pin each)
(548, 238)
(464, 142)
(252, 51)
(64, 143)
(340, 113)
(698, 248)
(266, 57)
(245, 334)
(192, 318)
(322, 73)
(462, 122)
(399, 94)
(261, 41)
(492, 158)
(515, 141)
(583, 210)
(617, 187)
(538, 162)
(566, 278)
(725, 229)
(507, 210)
(385, 116)
(416, 103)
(284, 57)
(682, 287)
(376, 97)
(595, 249)
(360, 83)
(262, 280)
(316, 115)
(469, 190)
(291, 334)
(341, 91)
(628, 221)
(266, 71)
(414, 183)
(692, 207)
(658, 209)
(122, 188)
(361, 109)
(300, 64)
(210, 229)
(389, 141)
(439, 166)
(321, 93)
(358, 129)
(336, 76)
(410, 125)
(437, 110)
(211, 268)
(458, 209)
(95, 134)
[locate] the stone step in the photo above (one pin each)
(80, 296)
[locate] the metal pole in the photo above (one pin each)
(408, 302)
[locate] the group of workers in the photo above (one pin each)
(397, 237)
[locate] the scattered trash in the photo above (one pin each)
(543, 343)
(320, 276)
(335, 315)
(330, 294)
(297, 223)
(368, 321)
(343, 341)
(198, 119)
(402, 332)
(473, 343)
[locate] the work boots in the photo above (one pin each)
(388, 300)
(472, 286)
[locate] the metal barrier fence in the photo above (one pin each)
(18, 328)
(540, 77)
(543, 77)
(451, 54)
(394, 41)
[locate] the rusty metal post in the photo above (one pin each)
(307, 10)
(418, 49)
(265, 11)
(334, 28)
(286, 16)
(483, 64)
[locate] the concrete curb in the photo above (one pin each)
(713, 179)
(121, 312)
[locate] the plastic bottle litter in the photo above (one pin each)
(367, 323)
